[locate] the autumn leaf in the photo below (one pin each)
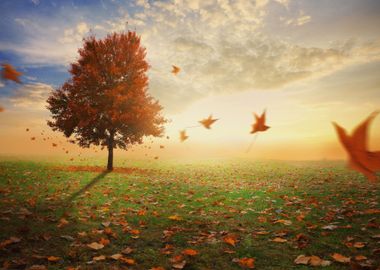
(340, 258)
(175, 217)
(182, 136)
(10, 73)
(207, 122)
(99, 258)
(127, 261)
(95, 246)
(279, 240)
(302, 259)
(127, 251)
(62, 222)
(117, 256)
(259, 125)
(246, 262)
(230, 239)
(1, 109)
(361, 160)
(175, 69)
(104, 241)
(190, 252)
(317, 261)
(53, 259)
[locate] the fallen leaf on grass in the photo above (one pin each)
(117, 256)
(245, 262)
(53, 259)
(175, 217)
(360, 258)
(283, 221)
(340, 258)
(230, 239)
(127, 251)
(311, 260)
(316, 261)
(359, 245)
(95, 246)
(190, 252)
(279, 240)
(178, 262)
(302, 259)
(127, 261)
(99, 258)
(62, 222)
(37, 267)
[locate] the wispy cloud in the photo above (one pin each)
(32, 96)
(221, 47)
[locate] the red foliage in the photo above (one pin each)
(106, 100)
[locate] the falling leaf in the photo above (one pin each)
(162, 146)
(190, 252)
(95, 246)
(182, 136)
(340, 258)
(10, 73)
(361, 159)
(2, 109)
(175, 70)
(33, 138)
(207, 122)
(54, 145)
(259, 125)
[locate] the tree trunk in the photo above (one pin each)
(110, 152)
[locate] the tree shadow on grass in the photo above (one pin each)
(86, 187)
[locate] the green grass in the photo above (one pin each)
(213, 199)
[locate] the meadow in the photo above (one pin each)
(216, 214)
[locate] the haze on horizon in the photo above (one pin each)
(307, 63)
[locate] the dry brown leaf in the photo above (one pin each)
(302, 259)
(190, 252)
(340, 258)
(95, 246)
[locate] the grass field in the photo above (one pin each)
(148, 214)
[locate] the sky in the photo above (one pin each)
(307, 63)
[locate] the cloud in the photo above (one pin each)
(221, 47)
(32, 96)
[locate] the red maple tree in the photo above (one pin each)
(105, 102)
